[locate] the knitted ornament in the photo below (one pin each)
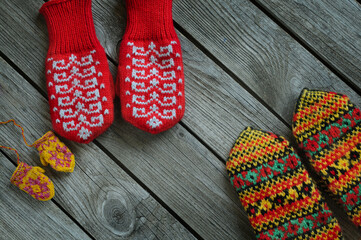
(151, 80)
(51, 150)
(80, 86)
(32, 181)
(327, 128)
(281, 200)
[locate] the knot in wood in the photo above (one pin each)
(118, 214)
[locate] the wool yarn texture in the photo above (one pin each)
(327, 128)
(150, 80)
(54, 152)
(79, 83)
(281, 200)
(33, 181)
(51, 150)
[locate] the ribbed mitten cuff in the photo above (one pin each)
(70, 25)
(149, 20)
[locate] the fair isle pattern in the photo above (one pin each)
(33, 181)
(80, 86)
(152, 85)
(281, 200)
(75, 98)
(327, 127)
(54, 152)
(151, 75)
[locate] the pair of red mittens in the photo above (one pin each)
(80, 87)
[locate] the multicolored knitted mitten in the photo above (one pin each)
(32, 181)
(151, 80)
(79, 83)
(54, 152)
(275, 189)
(327, 127)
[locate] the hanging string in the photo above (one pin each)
(22, 131)
(17, 154)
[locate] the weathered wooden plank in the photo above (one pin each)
(22, 217)
(219, 133)
(330, 28)
(217, 107)
(215, 122)
(216, 216)
(98, 194)
(257, 50)
(227, 109)
(174, 165)
(263, 56)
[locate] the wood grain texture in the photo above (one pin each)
(218, 108)
(330, 28)
(174, 165)
(263, 56)
(98, 194)
(215, 223)
(213, 211)
(179, 174)
(21, 216)
(258, 51)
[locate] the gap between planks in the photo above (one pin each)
(292, 34)
(217, 62)
(111, 156)
(227, 70)
(55, 202)
(307, 46)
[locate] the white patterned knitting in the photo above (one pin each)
(153, 75)
(77, 98)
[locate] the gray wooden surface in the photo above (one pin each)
(245, 63)
(99, 194)
(46, 220)
(330, 28)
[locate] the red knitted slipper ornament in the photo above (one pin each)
(77, 73)
(151, 79)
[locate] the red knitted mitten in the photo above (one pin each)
(151, 80)
(79, 83)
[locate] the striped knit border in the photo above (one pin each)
(281, 200)
(327, 127)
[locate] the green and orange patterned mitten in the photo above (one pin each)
(32, 181)
(54, 152)
(327, 128)
(281, 200)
